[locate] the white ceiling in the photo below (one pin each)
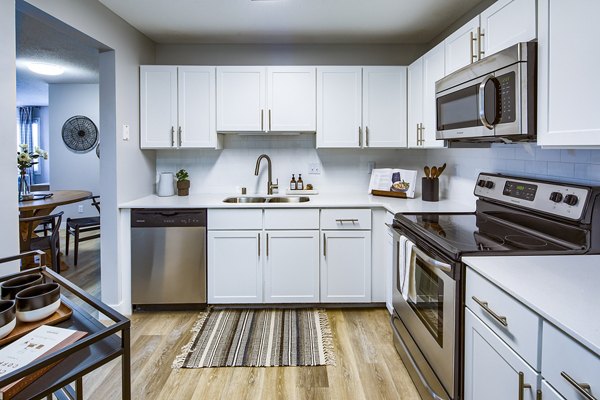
(38, 42)
(290, 21)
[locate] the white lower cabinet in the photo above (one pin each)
(346, 267)
(234, 267)
(493, 371)
(292, 266)
(549, 393)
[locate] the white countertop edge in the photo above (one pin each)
(589, 340)
(342, 200)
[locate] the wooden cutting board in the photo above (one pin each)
(64, 312)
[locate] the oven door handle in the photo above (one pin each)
(432, 261)
(414, 364)
(481, 96)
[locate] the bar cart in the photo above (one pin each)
(101, 345)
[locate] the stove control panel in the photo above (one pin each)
(564, 200)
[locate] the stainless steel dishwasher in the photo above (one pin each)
(168, 258)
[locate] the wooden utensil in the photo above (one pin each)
(441, 169)
(434, 172)
(426, 169)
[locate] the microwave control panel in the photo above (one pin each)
(563, 200)
(506, 97)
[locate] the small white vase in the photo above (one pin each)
(166, 184)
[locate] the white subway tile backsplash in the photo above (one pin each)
(575, 156)
(547, 154)
(536, 167)
(525, 151)
(561, 169)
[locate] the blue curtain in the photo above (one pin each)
(25, 121)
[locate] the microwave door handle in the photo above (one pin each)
(481, 96)
(431, 261)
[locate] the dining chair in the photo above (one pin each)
(76, 226)
(29, 240)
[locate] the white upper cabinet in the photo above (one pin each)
(422, 75)
(241, 99)
(568, 64)
(339, 98)
(507, 22)
(264, 99)
(291, 99)
(384, 106)
(158, 103)
(177, 107)
(462, 47)
(197, 113)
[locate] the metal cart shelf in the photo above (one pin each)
(101, 345)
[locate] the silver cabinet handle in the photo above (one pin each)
(269, 119)
(341, 221)
(179, 136)
(324, 245)
(480, 36)
(172, 136)
(267, 245)
(582, 388)
(481, 99)
(522, 385)
(259, 244)
(359, 136)
(473, 56)
(486, 308)
(367, 136)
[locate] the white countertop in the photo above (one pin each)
(562, 289)
(342, 200)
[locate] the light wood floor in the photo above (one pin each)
(367, 364)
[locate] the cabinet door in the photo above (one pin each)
(241, 93)
(433, 70)
(234, 267)
(158, 106)
(339, 104)
(197, 114)
(548, 392)
(568, 69)
(292, 266)
(346, 267)
(461, 46)
(507, 22)
(384, 106)
(291, 97)
(415, 102)
(491, 367)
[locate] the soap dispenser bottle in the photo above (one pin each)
(299, 183)
(293, 183)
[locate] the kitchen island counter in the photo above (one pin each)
(561, 289)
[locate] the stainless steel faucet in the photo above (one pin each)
(270, 184)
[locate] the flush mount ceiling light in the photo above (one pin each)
(45, 68)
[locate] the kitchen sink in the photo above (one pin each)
(258, 199)
(245, 200)
(302, 199)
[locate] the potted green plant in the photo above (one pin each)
(183, 182)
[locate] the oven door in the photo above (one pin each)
(486, 106)
(424, 298)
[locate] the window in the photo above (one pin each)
(35, 140)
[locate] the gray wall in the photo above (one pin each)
(308, 54)
(70, 170)
(9, 222)
(126, 172)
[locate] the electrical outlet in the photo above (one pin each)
(80, 209)
(314, 168)
(370, 166)
(125, 132)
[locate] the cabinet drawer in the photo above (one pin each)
(564, 359)
(292, 219)
(235, 219)
(521, 331)
(342, 218)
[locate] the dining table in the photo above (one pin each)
(44, 203)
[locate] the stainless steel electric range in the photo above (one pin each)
(514, 216)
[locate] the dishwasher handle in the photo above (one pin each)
(168, 217)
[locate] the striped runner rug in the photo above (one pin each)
(259, 338)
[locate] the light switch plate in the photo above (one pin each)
(314, 168)
(125, 132)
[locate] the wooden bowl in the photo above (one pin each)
(10, 288)
(8, 319)
(38, 302)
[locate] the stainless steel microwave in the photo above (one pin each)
(493, 99)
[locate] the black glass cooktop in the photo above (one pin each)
(482, 233)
